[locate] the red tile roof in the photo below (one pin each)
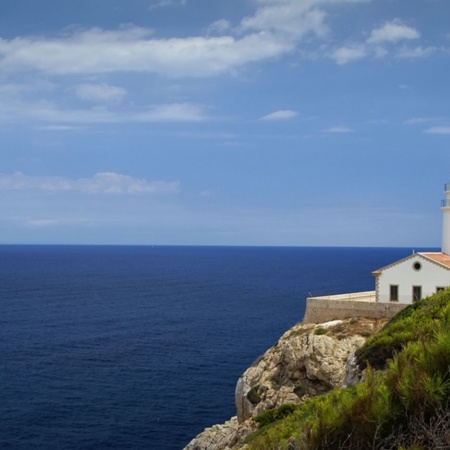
(439, 257)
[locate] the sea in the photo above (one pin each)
(140, 347)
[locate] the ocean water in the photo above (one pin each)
(106, 347)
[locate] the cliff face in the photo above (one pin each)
(308, 360)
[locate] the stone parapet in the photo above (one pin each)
(324, 309)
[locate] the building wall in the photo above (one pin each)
(402, 274)
(321, 310)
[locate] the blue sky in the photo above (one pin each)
(224, 122)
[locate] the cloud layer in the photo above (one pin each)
(100, 183)
(100, 93)
(132, 49)
(391, 38)
(276, 28)
(46, 65)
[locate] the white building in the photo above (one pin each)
(397, 285)
(412, 278)
(418, 275)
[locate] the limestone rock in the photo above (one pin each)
(308, 360)
(222, 437)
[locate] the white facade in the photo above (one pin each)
(412, 278)
(421, 274)
(445, 207)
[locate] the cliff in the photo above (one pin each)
(308, 360)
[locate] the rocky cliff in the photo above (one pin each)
(308, 360)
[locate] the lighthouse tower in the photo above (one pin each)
(445, 207)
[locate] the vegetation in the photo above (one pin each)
(253, 395)
(403, 403)
(273, 415)
(321, 331)
(416, 322)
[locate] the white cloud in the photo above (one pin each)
(100, 183)
(220, 26)
(339, 129)
(392, 31)
(275, 29)
(379, 51)
(47, 111)
(98, 51)
(166, 3)
(131, 49)
(376, 45)
(13, 89)
(293, 19)
(283, 114)
(438, 130)
(349, 53)
(415, 52)
(100, 93)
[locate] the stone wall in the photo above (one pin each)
(323, 310)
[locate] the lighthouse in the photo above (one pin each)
(445, 208)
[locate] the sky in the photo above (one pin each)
(224, 122)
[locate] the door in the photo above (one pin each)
(417, 293)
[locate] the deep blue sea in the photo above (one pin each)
(122, 347)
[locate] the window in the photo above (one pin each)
(417, 293)
(439, 289)
(417, 266)
(393, 294)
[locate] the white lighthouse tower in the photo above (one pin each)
(445, 207)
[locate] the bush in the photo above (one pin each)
(320, 331)
(417, 321)
(272, 415)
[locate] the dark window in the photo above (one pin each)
(439, 289)
(393, 295)
(417, 293)
(417, 266)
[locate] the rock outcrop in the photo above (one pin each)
(228, 436)
(308, 360)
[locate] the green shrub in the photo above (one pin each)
(272, 415)
(417, 321)
(320, 331)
